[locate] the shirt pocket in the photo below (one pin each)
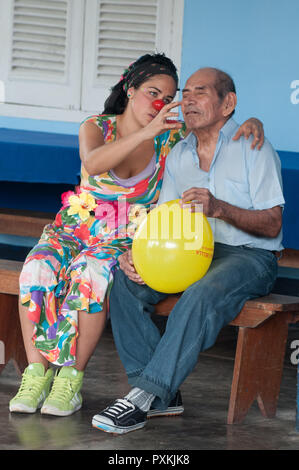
(237, 194)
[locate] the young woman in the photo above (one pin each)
(67, 276)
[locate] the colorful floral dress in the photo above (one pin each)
(72, 266)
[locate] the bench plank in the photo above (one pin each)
(10, 333)
(269, 303)
(276, 302)
(23, 223)
(290, 258)
(9, 276)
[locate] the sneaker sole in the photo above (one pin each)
(116, 429)
(175, 411)
(20, 408)
(51, 410)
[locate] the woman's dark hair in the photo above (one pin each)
(137, 73)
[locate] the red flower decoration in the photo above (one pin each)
(82, 232)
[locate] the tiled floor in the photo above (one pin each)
(202, 426)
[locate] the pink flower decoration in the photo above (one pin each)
(65, 196)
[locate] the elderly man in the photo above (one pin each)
(241, 193)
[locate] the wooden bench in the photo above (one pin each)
(263, 327)
(262, 336)
(26, 224)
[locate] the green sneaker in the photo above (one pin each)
(65, 397)
(34, 389)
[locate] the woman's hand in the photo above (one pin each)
(126, 264)
(163, 121)
(252, 127)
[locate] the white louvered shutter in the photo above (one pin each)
(117, 32)
(43, 52)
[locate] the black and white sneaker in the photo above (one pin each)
(120, 418)
(175, 408)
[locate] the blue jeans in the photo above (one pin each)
(158, 364)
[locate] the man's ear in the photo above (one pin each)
(229, 103)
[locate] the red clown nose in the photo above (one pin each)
(158, 105)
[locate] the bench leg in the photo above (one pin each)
(258, 368)
(12, 345)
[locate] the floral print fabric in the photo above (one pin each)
(71, 268)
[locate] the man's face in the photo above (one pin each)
(201, 105)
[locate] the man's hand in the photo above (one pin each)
(126, 264)
(195, 196)
(255, 127)
(262, 223)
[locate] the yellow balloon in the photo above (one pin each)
(172, 247)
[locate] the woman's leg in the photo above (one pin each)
(91, 275)
(37, 377)
(33, 354)
(91, 326)
(65, 397)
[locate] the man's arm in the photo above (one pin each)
(263, 223)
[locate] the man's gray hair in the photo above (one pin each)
(224, 84)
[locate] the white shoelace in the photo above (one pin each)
(120, 407)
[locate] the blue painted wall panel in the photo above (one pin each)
(257, 43)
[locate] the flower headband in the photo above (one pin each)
(138, 73)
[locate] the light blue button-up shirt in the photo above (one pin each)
(246, 178)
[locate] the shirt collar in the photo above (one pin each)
(229, 128)
(227, 131)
